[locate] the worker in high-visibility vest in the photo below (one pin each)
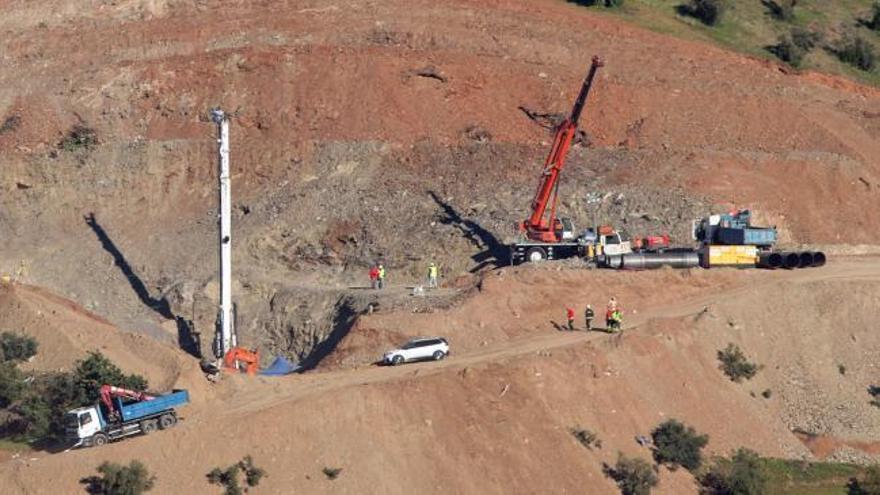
(569, 313)
(381, 276)
(432, 275)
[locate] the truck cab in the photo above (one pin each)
(612, 244)
(83, 423)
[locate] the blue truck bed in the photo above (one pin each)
(137, 410)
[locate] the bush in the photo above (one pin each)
(80, 137)
(868, 485)
(228, 478)
(788, 51)
(874, 22)
(857, 52)
(676, 444)
(709, 12)
(634, 476)
(735, 365)
(10, 124)
(11, 384)
(331, 473)
(17, 347)
(874, 392)
(117, 479)
(587, 438)
(743, 474)
(767, 393)
(781, 9)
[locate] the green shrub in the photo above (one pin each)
(709, 12)
(587, 438)
(11, 384)
(869, 484)
(735, 365)
(787, 51)
(781, 9)
(17, 347)
(874, 392)
(331, 473)
(228, 478)
(79, 137)
(857, 52)
(743, 474)
(677, 444)
(117, 479)
(634, 476)
(10, 124)
(874, 22)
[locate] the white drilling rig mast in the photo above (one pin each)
(225, 331)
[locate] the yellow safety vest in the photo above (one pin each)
(432, 271)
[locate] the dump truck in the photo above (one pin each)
(121, 413)
(730, 239)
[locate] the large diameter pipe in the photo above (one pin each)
(770, 260)
(646, 261)
(790, 260)
(805, 259)
(818, 258)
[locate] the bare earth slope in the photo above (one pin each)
(344, 154)
(494, 417)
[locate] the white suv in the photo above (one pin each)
(435, 348)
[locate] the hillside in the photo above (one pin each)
(400, 132)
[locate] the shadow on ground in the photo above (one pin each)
(493, 253)
(186, 339)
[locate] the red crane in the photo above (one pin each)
(540, 226)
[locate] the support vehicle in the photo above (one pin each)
(435, 348)
(121, 413)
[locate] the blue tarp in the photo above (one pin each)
(279, 367)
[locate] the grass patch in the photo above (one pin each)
(788, 477)
(750, 27)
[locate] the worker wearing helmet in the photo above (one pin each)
(381, 276)
(616, 320)
(432, 275)
(588, 316)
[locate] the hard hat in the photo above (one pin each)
(589, 306)
(432, 263)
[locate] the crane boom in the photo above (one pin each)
(540, 226)
(109, 391)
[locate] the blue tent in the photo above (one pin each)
(280, 367)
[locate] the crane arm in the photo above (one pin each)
(109, 391)
(547, 192)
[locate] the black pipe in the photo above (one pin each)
(790, 260)
(646, 261)
(805, 259)
(818, 258)
(770, 260)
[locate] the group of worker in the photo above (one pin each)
(613, 317)
(377, 276)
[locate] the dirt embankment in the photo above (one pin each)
(496, 416)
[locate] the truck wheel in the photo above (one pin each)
(536, 254)
(99, 439)
(148, 426)
(167, 421)
(438, 355)
(397, 360)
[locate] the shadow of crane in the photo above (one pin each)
(493, 252)
(186, 339)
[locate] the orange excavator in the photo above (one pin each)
(239, 356)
